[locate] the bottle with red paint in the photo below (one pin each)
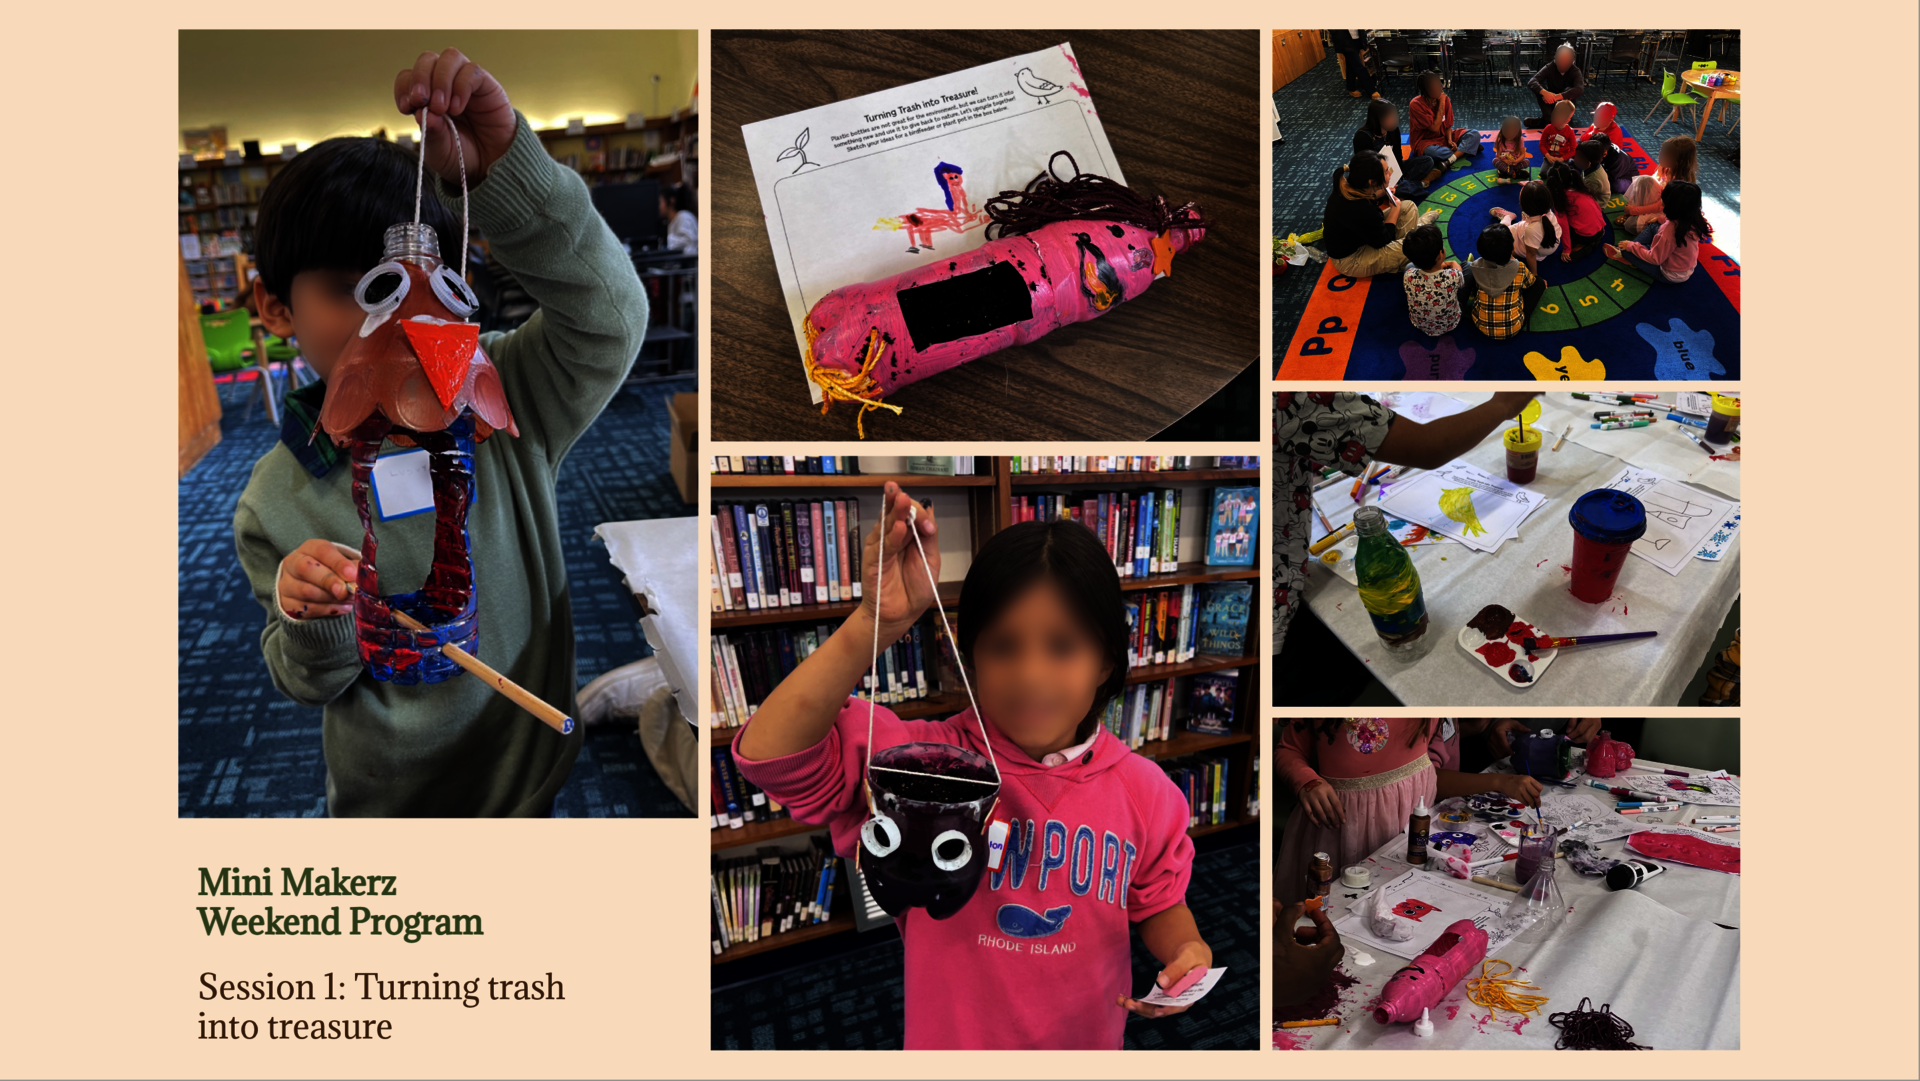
(1605, 525)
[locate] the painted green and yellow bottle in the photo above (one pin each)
(1389, 586)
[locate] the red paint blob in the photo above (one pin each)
(1496, 654)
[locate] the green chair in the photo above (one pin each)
(1706, 65)
(1671, 93)
(229, 340)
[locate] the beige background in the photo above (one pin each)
(103, 948)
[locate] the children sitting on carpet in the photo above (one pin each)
(1512, 163)
(1433, 135)
(1591, 159)
(1577, 208)
(1557, 139)
(1620, 167)
(1380, 135)
(1670, 249)
(1536, 232)
(1433, 284)
(1504, 290)
(1679, 160)
(1365, 222)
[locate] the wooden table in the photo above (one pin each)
(1713, 93)
(1181, 110)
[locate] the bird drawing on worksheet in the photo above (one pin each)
(1034, 86)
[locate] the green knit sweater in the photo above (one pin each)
(458, 748)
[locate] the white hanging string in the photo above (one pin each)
(913, 515)
(420, 184)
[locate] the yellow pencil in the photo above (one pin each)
(1310, 1024)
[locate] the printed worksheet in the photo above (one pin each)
(1681, 519)
(873, 186)
(1431, 901)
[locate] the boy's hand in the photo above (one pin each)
(451, 87)
(1192, 954)
(1323, 805)
(904, 595)
(313, 580)
(1518, 786)
(1512, 402)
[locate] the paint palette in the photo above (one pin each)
(1449, 840)
(1501, 653)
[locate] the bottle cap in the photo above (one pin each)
(1421, 810)
(1424, 1026)
(1608, 517)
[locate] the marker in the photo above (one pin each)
(1330, 539)
(1565, 432)
(1679, 787)
(1646, 397)
(1627, 792)
(1605, 399)
(1682, 418)
(1615, 425)
(1661, 769)
(1324, 524)
(1719, 819)
(1607, 414)
(1646, 810)
(1650, 805)
(1719, 829)
(1699, 442)
(1310, 1024)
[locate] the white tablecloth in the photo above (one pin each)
(1526, 576)
(1665, 955)
(661, 560)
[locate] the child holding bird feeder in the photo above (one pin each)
(386, 325)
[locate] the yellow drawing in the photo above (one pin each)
(1571, 366)
(1457, 504)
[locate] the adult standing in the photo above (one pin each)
(1352, 47)
(1365, 221)
(1561, 78)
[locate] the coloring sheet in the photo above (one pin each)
(1432, 901)
(1422, 405)
(873, 186)
(1726, 790)
(1563, 807)
(1721, 539)
(1468, 504)
(1681, 520)
(1337, 504)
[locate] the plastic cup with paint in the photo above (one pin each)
(1534, 849)
(1523, 454)
(1605, 525)
(1724, 421)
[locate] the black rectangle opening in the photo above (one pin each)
(965, 305)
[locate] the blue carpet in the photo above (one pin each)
(856, 1000)
(245, 751)
(1371, 338)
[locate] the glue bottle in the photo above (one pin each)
(1417, 826)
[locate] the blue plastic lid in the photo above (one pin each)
(1605, 516)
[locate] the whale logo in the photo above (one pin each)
(1019, 921)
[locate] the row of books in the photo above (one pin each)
(1172, 626)
(1141, 530)
(1125, 463)
(232, 192)
(1145, 712)
(784, 554)
(791, 465)
(764, 895)
(747, 666)
(1205, 783)
(736, 800)
(230, 217)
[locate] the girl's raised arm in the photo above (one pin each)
(801, 710)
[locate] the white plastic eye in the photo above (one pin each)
(382, 288)
(879, 835)
(952, 850)
(454, 292)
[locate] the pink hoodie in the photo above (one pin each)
(1039, 955)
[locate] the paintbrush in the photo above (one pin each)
(1563, 437)
(520, 696)
(1550, 642)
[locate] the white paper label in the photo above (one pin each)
(996, 844)
(806, 575)
(402, 484)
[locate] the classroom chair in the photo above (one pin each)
(1678, 99)
(1706, 65)
(229, 339)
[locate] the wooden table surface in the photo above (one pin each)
(1714, 94)
(1180, 109)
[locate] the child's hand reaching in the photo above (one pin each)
(451, 87)
(1516, 786)
(314, 580)
(1190, 955)
(904, 594)
(1322, 805)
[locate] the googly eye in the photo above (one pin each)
(952, 850)
(382, 288)
(879, 835)
(454, 292)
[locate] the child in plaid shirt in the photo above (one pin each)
(1502, 291)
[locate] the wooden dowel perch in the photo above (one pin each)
(520, 696)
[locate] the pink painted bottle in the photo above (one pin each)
(1422, 984)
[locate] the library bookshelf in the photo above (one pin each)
(991, 503)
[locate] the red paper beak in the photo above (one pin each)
(445, 352)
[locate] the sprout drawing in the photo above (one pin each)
(799, 150)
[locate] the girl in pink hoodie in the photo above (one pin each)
(1096, 837)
